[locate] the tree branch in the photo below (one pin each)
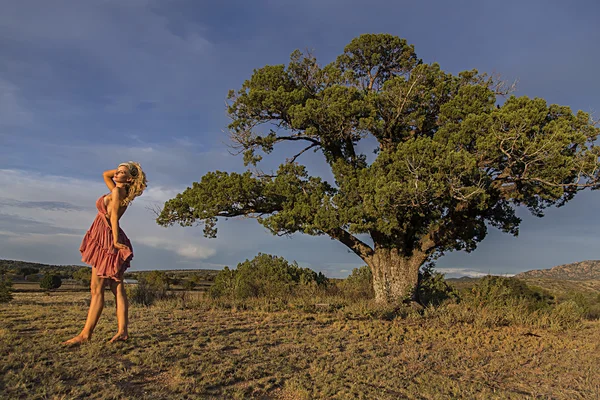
(295, 138)
(359, 247)
(293, 159)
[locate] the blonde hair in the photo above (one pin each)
(135, 188)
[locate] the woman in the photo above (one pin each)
(108, 250)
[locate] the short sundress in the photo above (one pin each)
(97, 247)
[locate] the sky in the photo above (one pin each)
(85, 85)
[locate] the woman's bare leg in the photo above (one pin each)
(122, 311)
(96, 306)
(113, 289)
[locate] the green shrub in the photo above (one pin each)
(196, 278)
(50, 282)
(225, 283)
(358, 285)
(587, 302)
(33, 278)
(502, 291)
(26, 271)
(5, 288)
(566, 315)
(265, 276)
(158, 280)
(433, 289)
(141, 293)
(189, 285)
(83, 275)
(151, 287)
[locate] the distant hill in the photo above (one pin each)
(15, 265)
(579, 271)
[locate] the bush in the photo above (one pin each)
(266, 276)
(196, 278)
(5, 288)
(503, 291)
(359, 284)
(26, 271)
(189, 285)
(433, 289)
(566, 315)
(50, 281)
(83, 275)
(225, 283)
(151, 287)
(588, 303)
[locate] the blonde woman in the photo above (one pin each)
(108, 250)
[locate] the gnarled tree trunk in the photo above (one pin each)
(395, 276)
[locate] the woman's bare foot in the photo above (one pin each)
(119, 337)
(76, 340)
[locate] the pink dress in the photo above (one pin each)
(97, 247)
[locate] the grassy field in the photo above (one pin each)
(196, 350)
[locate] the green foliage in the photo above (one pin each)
(173, 280)
(504, 291)
(5, 287)
(433, 289)
(189, 285)
(83, 275)
(30, 271)
(359, 284)
(25, 271)
(265, 276)
(50, 282)
(589, 305)
(567, 314)
(157, 279)
(151, 287)
(225, 283)
(450, 160)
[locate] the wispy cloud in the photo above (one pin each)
(23, 226)
(459, 272)
(44, 205)
(176, 163)
(187, 250)
(13, 111)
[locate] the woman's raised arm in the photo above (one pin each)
(108, 175)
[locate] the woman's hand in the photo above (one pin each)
(108, 178)
(119, 246)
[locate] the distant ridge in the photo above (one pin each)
(20, 264)
(74, 267)
(579, 271)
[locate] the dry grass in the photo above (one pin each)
(206, 352)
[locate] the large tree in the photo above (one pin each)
(444, 159)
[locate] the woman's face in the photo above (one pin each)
(122, 175)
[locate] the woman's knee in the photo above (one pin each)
(120, 288)
(97, 288)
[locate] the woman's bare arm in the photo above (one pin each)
(114, 214)
(108, 175)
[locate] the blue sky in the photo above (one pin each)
(85, 85)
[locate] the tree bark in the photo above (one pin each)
(395, 276)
